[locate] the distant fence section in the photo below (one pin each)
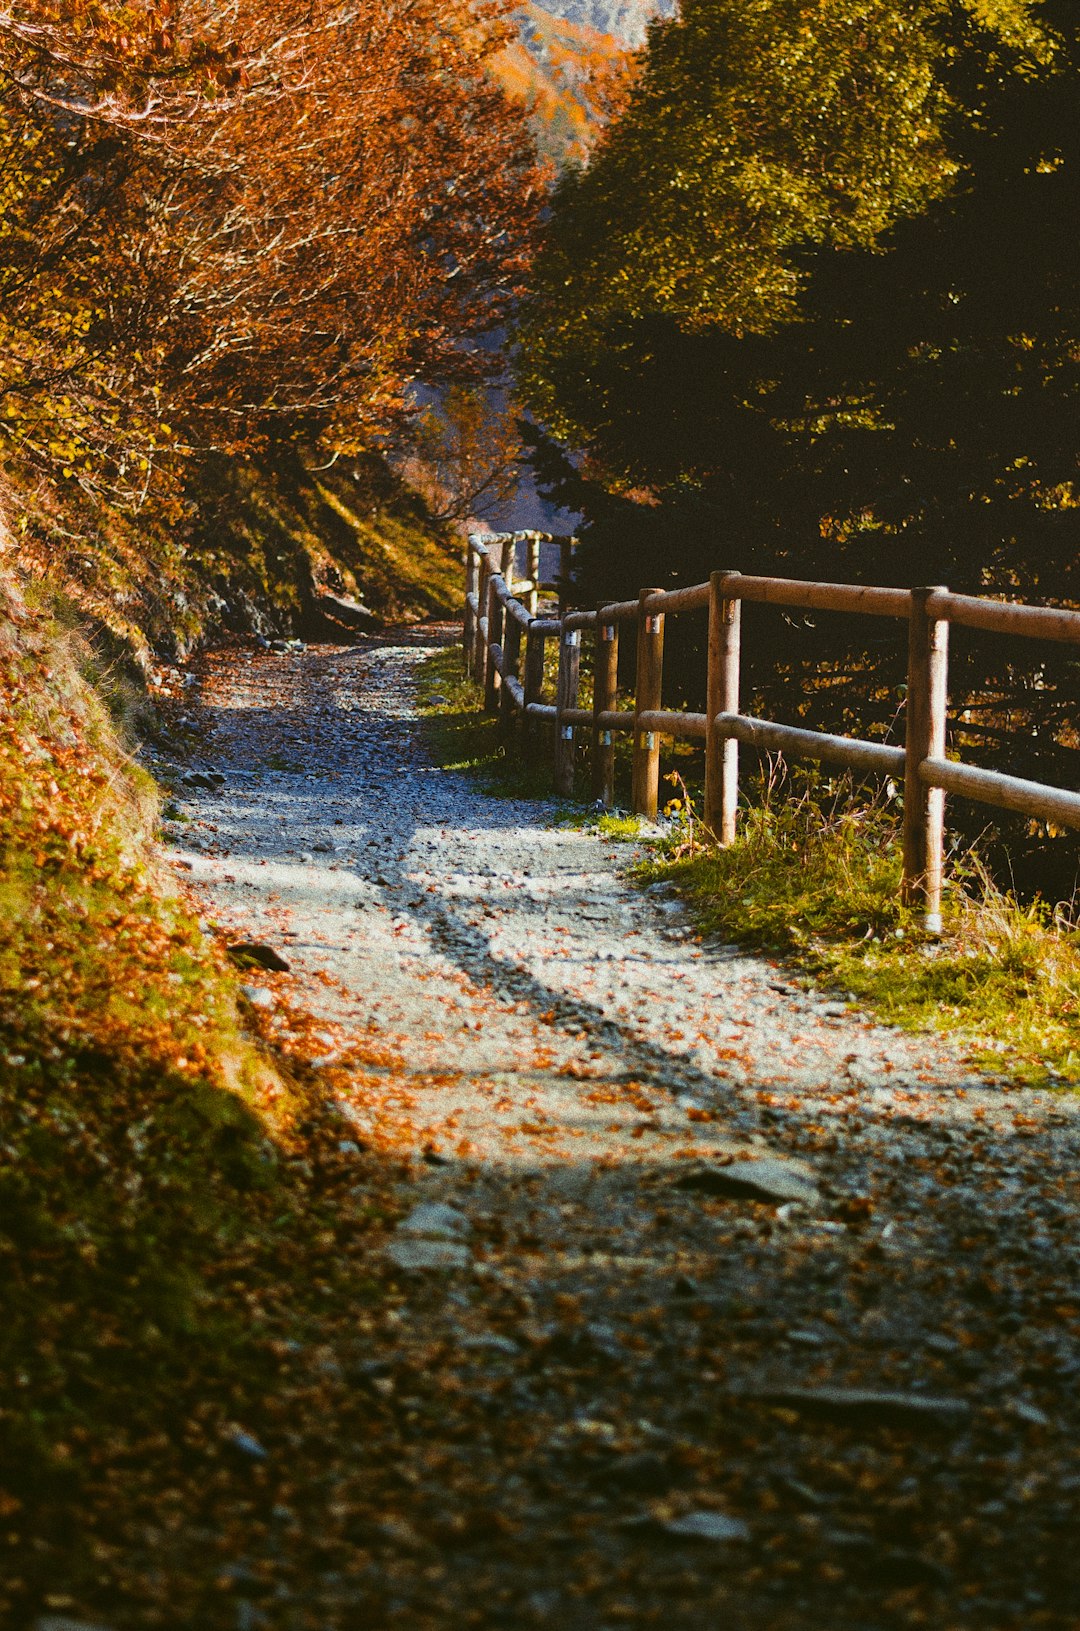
(510, 618)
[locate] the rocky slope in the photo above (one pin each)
(570, 64)
(626, 20)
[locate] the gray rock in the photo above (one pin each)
(492, 1342)
(712, 1526)
(431, 1220)
(258, 996)
(344, 610)
(428, 1254)
(64, 1622)
(895, 1566)
(1023, 1410)
(870, 1405)
(803, 1338)
(244, 1444)
(254, 951)
(768, 1179)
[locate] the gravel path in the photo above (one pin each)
(733, 1306)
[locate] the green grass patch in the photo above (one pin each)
(815, 876)
(623, 829)
(462, 737)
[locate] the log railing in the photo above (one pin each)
(505, 635)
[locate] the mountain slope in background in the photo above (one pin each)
(625, 20)
(567, 73)
(571, 62)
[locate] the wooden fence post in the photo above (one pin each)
(533, 571)
(722, 752)
(649, 693)
(605, 698)
(924, 807)
(492, 677)
(479, 667)
(566, 567)
(533, 729)
(566, 697)
(512, 666)
(472, 584)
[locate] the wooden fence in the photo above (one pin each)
(506, 631)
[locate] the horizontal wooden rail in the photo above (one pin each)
(848, 751)
(502, 622)
(1006, 792)
(691, 727)
(822, 597)
(621, 611)
(615, 719)
(693, 599)
(1005, 617)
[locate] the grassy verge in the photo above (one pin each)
(463, 737)
(816, 878)
(173, 1209)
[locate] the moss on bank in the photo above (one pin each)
(173, 1208)
(247, 545)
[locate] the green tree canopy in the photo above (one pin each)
(907, 416)
(757, 127)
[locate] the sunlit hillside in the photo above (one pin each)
(571, 75)
(627, 20)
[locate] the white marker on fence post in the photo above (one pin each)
(927, 712)
(479, 666)
(722, 752)
(472, 584)
(605, 700)
(566, 697)
(648, 696)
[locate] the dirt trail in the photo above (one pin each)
(722, 1305)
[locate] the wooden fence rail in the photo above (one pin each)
(504, 645)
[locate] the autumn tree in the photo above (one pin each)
(464, 452)
(226, 226)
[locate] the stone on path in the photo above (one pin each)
(258, 996)
(64, 1622)
(713, 1526)
(870, 1405)
(432, 1220)
(253, 951)
(769, 1179)
(428, 1254)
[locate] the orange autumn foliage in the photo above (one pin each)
(225, 227)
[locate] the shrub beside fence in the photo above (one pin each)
(507, 627)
